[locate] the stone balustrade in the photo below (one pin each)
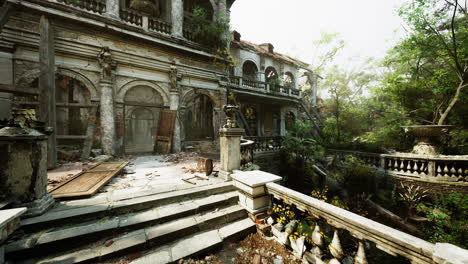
(95, 6)
(389, 240)
(257, 189)
(259, 86)
(266, 143)
(422, 167)
(247, 151)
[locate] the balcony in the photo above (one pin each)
(117, 16)
(237, 82)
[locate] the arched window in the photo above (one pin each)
(288, 80)
(249, 71)
(271, 74)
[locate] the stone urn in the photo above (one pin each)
(425, 137)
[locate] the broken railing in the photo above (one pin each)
(366, 232)
(96, 6)
(247, 151)
(266, 143)
(425, 167)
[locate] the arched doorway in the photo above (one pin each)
(142, 105)
(290, 119)
(198, 121)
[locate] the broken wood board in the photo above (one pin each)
(88, 182)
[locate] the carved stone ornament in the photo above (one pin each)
(230, 111)
(174, 77)
(106, 63)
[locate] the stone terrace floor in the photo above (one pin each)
(147, 174)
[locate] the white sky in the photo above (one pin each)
(369, 27)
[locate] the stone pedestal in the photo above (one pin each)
(9, 222)
(23, 169)
(107, 117)
(230, 150)
(5, 106)
(252, 191)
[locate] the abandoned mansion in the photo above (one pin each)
(126, 73)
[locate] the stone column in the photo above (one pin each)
(251, 187)
(230, 150)
(112, 9)
(177, 17)
(174, 105)
(282, 121)
(23, 169)
(107, 117)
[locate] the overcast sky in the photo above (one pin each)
(370, 27)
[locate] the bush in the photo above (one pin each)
(356, 177)
(447, 215)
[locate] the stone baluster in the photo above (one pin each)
(360, 257)
(145, 23)
(335, 247)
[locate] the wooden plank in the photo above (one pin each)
(165, 132)
(47, 86)
(9, 88)
(87, 183)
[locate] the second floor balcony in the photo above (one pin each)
(262, 88)
(166, 18)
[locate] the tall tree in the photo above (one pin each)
(432, 62)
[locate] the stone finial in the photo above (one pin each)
(107, 64)
(230, 111)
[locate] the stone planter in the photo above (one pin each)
(425, 136)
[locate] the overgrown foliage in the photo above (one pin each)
(213, 34)
(447, 214)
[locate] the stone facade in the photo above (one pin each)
(131, 81)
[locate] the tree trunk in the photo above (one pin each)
(452, 103)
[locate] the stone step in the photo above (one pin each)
(65, 214)
(154, 237)
(91, 230)
(197, 244)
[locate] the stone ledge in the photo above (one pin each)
(254, 178)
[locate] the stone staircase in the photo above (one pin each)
(161, 227)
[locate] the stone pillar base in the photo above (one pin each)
(251, 187)
(39, 206)
(230, 150)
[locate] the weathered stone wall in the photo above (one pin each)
(139, 62)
